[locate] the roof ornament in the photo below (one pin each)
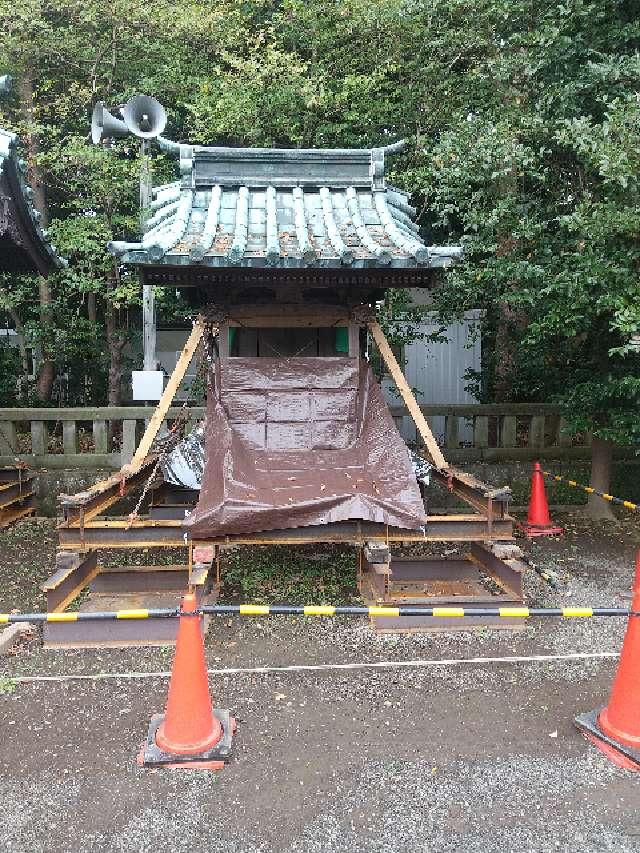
(376, 166)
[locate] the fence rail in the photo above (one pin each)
(492, 432)
(106, 437)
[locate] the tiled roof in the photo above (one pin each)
(24, 244)
(244, 207)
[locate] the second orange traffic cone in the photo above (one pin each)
(615, 730)
(538, 519)
(191, 732)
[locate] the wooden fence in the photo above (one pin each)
(107, 437)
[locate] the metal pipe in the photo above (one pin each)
(319, 610)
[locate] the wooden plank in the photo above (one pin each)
(410, 401)
(69, 437)
(100, 436)
(8, 516)
(470, 410)
(270, 317)
(38, 438)
(167, 396)
(16, 498)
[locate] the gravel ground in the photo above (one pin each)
(480, 757)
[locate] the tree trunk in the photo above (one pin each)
(503, 356)
(115, 342)
(32, 144)
(47, 371)
(92, 312)
(601, 456)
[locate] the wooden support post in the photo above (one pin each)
(354, 340)
(406, 393)
(167, 397)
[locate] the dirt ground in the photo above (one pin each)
(431, 756)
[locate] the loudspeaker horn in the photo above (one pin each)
(104, 125)
(144, 116)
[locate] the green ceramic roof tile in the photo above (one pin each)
(24, 244)
(258, 207)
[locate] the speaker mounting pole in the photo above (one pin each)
(146, 118)
(148, 295)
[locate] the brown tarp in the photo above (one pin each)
(292, 442)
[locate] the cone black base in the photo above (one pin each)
(588, 725)
(212, 759)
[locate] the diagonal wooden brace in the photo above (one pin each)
(433, 451)
(167, 398)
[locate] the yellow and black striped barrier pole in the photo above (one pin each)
(591, 491)
(320, 610)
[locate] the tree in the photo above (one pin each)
(523, 124)
(541, 182)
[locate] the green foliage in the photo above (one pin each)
(7, 685)
(540, 181)
(9, 374)
(524, 127)
(306, 575)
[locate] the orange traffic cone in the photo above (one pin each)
(615, 730)
(191, 733)
(538, 519)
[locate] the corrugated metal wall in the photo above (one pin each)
(435, 371)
